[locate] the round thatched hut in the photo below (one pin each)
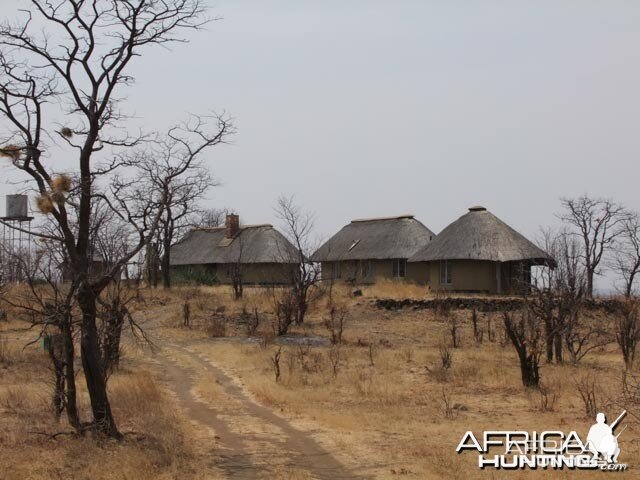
(480, 253)
(371, 249)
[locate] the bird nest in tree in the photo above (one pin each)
(11, 151)
(66, 132)
(61, 183)
(44, 204)
(58, 197)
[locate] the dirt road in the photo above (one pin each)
(250, 441)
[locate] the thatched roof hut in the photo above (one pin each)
(260, 254)
(371, 248)
(480, 253)
(480, 235)
(250, 244)
(375, 238)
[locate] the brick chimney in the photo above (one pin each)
(232, 224)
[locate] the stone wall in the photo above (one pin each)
(484, 304)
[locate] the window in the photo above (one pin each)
(445, 272)
(399, 267)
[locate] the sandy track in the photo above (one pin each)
(251, 440)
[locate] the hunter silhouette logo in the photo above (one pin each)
(602, 441)
(549, 449)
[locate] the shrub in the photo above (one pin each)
(448, 408)
(217, 327)
(548, 396)
(197, 276)
(586, 387)
(335, 323)
(284, 307)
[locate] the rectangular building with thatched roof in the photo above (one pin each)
(480, 253)
(258, 254)
(367, 250)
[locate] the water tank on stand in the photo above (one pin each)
(17, 206)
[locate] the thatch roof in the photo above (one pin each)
(375, 239)
(252, 244)
(480, 235)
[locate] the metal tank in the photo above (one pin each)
(17, 206)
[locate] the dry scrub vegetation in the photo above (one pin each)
(394, 397)
(389, 397)
(33, 445)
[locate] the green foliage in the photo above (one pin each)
(194, 276)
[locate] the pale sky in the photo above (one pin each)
(375, 108)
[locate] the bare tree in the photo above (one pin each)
(211, 217)
(284, 309)
(113, 312)
(584, 333)
(275, 362)
(478, 332)
(180, 193)
(630, 397)
(110, 236)
(50, 305)
(236, 272)
(445, 313)
(523, 329)
(335, 323)
(628, 330)
(626, 261)
(556, 294)
(298, 228)
(86, 69)
(597, 222)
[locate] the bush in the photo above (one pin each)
(284, 307)
(217, 327)
(589, 394)
(196, 276)
(335, 323)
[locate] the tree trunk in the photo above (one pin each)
(301, 311)
(548, 327)
(236, 281)
(186, 314)
(558, 347)
(237, 289)
(629, 288)
(56, 355)
(92, 365)
(589, 283)
(529, 370)
(166, 274)
(166, 259)
(152, 265)
(70, 375)
(115, 317)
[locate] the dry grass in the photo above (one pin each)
(156, 444)
(10, 354)
(205, 300)
(378, 402)
(395, 289)
(396, 417)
